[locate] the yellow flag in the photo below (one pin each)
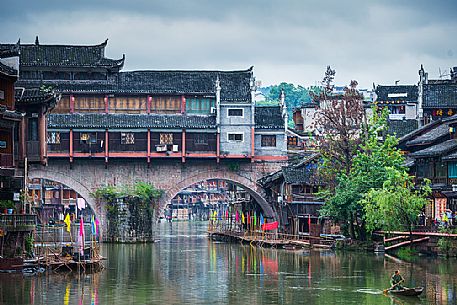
(242, 217)
(67, 222)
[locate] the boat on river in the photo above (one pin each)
(409, 292)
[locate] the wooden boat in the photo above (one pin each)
(409, 292)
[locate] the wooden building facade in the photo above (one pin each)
(106, 113)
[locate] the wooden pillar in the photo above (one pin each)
(218, 146)
(22, 142)
(72, 104)
(183, 146)
(183, 104)
(252, 144)
(149, 144)
(148, 104)
(106, 104)
(42, 138)
(71, 145)
(106, 145)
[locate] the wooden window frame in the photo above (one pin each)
(268, 141)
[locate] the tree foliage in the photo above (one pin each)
(295, 96)
(140, 191)
(339, 123)
(397, 204)
(377, 192)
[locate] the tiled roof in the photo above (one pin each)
(302, 174)
(432, 135)
(440, 96)
(9, 50)
(235, 85)
(268, 117)
(10, 114)
(402, 127)
(33, 96)
(37, 55)
(7, 70)
(103, 120)
(436, 150)
(383, 92)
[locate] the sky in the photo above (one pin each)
(286, 41)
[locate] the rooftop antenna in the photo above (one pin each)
(442, 74)
(396, 82)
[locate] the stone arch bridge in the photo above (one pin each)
(86, 175)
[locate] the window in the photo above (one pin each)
(268, 141)
(397, 109)
(166, 138)
(127, 138)
(440, 169)
(452, 169)
(235, 137)
(88, 138)
(201, 139)
(53, 137)
(235, 112)
(293, 141)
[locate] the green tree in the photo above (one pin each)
(377, 170)
(296, 96)
(397, 204)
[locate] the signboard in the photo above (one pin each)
(2, 144)
(440, 207)
(16, 196)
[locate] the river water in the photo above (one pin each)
(184, 267)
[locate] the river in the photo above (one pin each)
(184, 267)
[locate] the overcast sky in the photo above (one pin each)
(291, 41)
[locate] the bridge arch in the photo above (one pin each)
(234, 177)
(69, 181)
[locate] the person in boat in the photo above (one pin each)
(396, 279)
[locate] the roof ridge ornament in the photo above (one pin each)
(37, 41)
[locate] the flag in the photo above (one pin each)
(226, 214)
(255, 219)
(242, 218)
(81, 236)
(67, 222)
(262, 221)
(237, 216)
(97, 226)
(249, 217)
(270, 226)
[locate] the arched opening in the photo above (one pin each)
(51, 201)
(201, 200)
(67, 183)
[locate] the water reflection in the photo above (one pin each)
(185, 267)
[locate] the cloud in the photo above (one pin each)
(371, 41)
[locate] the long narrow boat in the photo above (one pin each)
(409, 292)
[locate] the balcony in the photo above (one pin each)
(18, 222)
(6, 160)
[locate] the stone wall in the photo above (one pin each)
(86, 175)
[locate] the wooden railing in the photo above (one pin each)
(18, 221)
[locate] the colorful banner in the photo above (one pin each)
(270, 226)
